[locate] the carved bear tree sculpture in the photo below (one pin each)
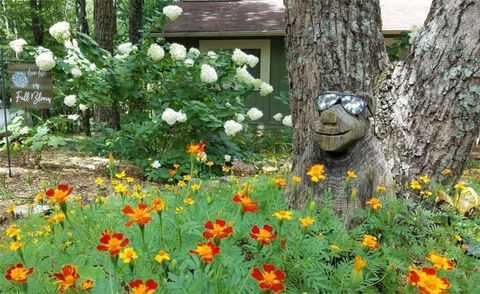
(346, 141)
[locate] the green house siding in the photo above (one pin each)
(278, 76)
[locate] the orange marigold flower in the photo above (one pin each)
(447, 171)
(270, 278)
(264, 235)
(60, 194)
(140, 215)
(87, 284)
(196, 148)
(296, 179)
(427, 281)
(112, 242)
(281, 182)
(359, 264)
(316, 172)
(158, 204)
(440, 261)
(172, 172)
(248, 205)
(138, 287)
(369, 241)
(217, 230)
(67, 277)
(306, 222)
(206, 251)
(374, 203)
(18, 273)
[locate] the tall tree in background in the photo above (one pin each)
(429, 105)
(105, 28)
(81, 13)
(37, 27)
(135, 20)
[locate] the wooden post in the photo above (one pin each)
(4, 96)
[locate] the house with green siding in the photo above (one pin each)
(258, 27)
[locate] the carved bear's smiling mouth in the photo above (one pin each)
(336, 134)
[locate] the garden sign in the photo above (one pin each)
(30, 87)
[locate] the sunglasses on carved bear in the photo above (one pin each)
(353, 104)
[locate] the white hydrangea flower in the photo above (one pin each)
(70, 100)
(76, 72)
(287, 120)
(178, 52)
(212, 54)
(265, 89)
(156, 164)
(232, 127)
(194, 51)
(170, 116)
(45, 61)
(73, 117)
(60, 31)
(188, 62)
(71, 45)
(92, 67)
(156, 52)
(83, 107)
(240, 117)
(254, 113)
(278, 116)
(126, 48)
(172, 11)
(17, 45)
(208, 74)
(181, 116)
(252, 60)
(239, 57)
(244, 76)
(228, 158)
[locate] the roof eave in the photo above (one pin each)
(220, 34)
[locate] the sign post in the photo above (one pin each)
(4, 96)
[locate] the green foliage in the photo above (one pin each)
(399, 46)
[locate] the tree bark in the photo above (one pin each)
(105, 28)
(331, 46)
(81, 12)
(37, 27)
(135, 20)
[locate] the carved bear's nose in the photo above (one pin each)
(328, 117)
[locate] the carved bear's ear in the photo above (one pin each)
(372, 103)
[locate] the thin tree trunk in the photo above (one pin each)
(37, 27)
(135, 20)
(81, 12)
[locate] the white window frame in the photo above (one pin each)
(262, 44)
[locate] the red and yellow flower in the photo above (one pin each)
(67, 277)
(427, 281)
(18, 273)
(248, 205)
(112, 242)
(281, 182)
(158, 204)
(440, 261)
(87, 284)
(60, 194)
(270, 278)
(374, 203)
(369, 241)
(196, 148)
(264, 235)
(206, 251)
(217, 230)
(138, 287)
(140, 214)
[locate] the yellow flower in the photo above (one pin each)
(187, 178)
(121, 175)
(460, 186)
(296, 179)
(128, 254)
(137, 187)
(15, 246)
(359, 264)
(40, 196)
(179, 209)
(381, 189)
(415, 185)
(176, 165)
(196, 187)
(316, 172)
(13, 231)
(129, 179)
(162, 256)
(351, 175)
(10, 209)
(99, 181)
(447, 171)
(120, 188)
(369, 241)
(281, 182)
(181, 184)
(424, 179)
(306, 221)
(101, 199)
(426, 193)
(56, 218)
(440, 261)
(334, 247)
(374, 203)
(210, 163)
(284, 214)
(189, 201)
(225, 169)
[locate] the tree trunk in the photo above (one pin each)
(80, 9)
(331, 46)
(105, 28)
(432, 100)
(135, 20)
(37, 27)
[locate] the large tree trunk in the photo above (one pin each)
(432, 100)
(331, 46)
(80, 9)
(105, 28)
(135, 20)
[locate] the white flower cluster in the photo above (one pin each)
(171, 116)
(83, 107)
(265, 89)
(70, 100)
(194, 51)
(241, 58)
(71, 45)
(287, 121)
(17, 45)
(126, 48)
(76, 72)
(232, 127)
(208, 74)
(45, 61)
(278, 116)
(244, 76)
(212, 54)
(60, 31)
(156, 164)
(172, 11)
(188, 62)
(178, 52)
(254, 114)
(240, 117)
(156, 52)
(228, 158)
